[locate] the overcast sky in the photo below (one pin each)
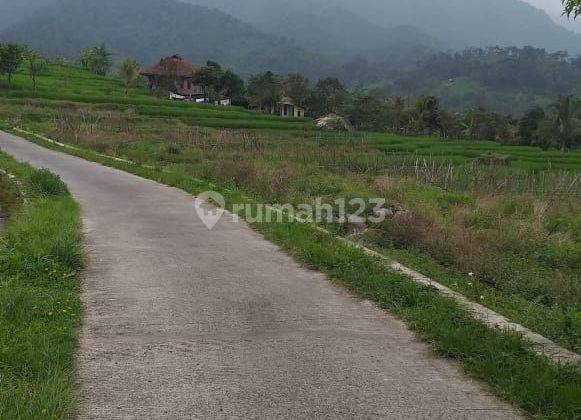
(551, 6)
(555, 8)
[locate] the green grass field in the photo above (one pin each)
(65, 86)
(40, 256)
(507, 237)
(73, 85)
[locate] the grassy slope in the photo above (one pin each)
(70, 84)
(67, 85)
(461, 151)
(40, 254)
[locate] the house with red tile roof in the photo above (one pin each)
(175, 75)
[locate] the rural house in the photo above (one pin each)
(175, 75)
(288, 109)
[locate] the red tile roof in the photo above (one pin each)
(169, 65)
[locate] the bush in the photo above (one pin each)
(47, 184)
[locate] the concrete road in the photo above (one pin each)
(182, 322)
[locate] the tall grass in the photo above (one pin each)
(40, 255)
(517, 230)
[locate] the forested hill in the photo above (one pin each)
(508, 80)
(151, 29)
(457, 23)
(346, 35)
(12, 11)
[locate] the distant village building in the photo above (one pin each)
(288, 109)
(175, 75)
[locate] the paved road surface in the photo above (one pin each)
(186, 323)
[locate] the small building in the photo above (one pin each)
(288, 109)
(175, 75)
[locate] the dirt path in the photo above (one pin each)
(182, 322)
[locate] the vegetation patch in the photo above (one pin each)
(505, 235)
(502, 359)
(40, 258)
(515, 229)
(10, 198)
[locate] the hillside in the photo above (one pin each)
(12, 11)
(150, 29)
(72, 85)
(324, 30)
(457, 23)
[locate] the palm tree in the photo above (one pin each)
(129, 73)
(564, 118)
(427, 115)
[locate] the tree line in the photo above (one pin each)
(558, 126)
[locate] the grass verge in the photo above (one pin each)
(501, 359)
(40, 256)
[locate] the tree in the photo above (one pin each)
(265, 90)
(210, 77)
(102, 60)
(529, 124)
(36, 65)
(367, 111)
(297, 87)
(450, 124)
(545, 135)
(129, 72)
(60, 61)
(572, 8)
(329, 97)
(232, 86)
(565, 110)
(398, 113)
(86, 58)
(11, 57)
(96, 59)
(427, 114)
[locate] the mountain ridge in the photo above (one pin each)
(458, 23)
(158, 28)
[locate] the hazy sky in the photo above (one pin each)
(555, 8)
(551, 6)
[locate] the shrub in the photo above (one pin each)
(47, 184)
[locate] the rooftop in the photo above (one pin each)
(174, 65)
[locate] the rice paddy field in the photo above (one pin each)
(508, 237)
